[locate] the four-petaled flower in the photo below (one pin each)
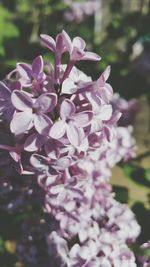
(71, 123)
(31, 112)
(76, 49)
(32, 75)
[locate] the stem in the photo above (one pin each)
(57, 69)
(68, 70)
(148, 100)
(9, 148)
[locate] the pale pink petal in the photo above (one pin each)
(39, 162)
(104, 76)
(52, 148)
(75, 135)
(115, 118)
(26, 172)
(77, 54)
(58, 129)
(25, 73)
(68, 86)
(75, 250)
(79, 43)
(91, 56)
(106, 93)
(108, 133)
(105, 112)
(63, 163)
(21, 122)
(4, 91)
(56, 189)
(106, 73)
(84, 145)
(45, 103)
(83, 119)
(67, 41)
(24, 70)
(21, 100)
(60, 44)
(34, 142)
(16, 156)
(48, 41)
(67, 109)
(42, 124)
(37, 66)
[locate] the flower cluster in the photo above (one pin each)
(78, 11)
(62, 128)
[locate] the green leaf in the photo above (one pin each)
(129, 169)
(137, 174)
(147, 174)
(2, 248)
(121, 193)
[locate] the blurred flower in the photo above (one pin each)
(78, 11)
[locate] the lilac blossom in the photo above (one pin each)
(72, 123)
(63, 132)
(31, 112)
(64, 44)
(6, 107)
(32, 75)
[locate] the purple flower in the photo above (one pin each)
(6, 107)
(76, 49)
(31, 112)
(32, 75)
(71, 123)
(58, 47)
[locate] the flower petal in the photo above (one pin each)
(37, 66)
(75, 135)
(84, 145)
(42, 124)
(60, 44)
(48, 41)
(45, 103)
(58, 129)
(52, 148)
(69, 87)
(106, 93)
(67, 41)
(25, 73)
(4, 91)
(83, 119)
(105, 75)
(38, 162)
(62, 163)
(105, 112)
(21, 122)
(108, 133)
(91, 56)
(67, 109)
(34, 142)
(77, 54)
(21, 100)
(79, 43)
